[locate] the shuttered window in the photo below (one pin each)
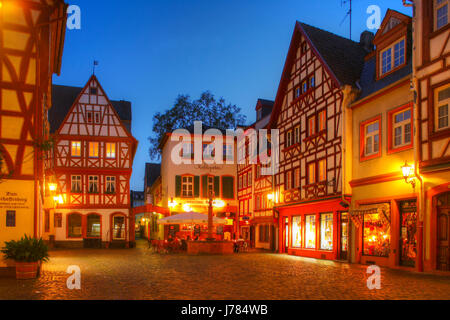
(228, 187)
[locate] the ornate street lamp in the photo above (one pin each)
(408, 174)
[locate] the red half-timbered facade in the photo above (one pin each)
(91, 163)
(257, 223)
(316, 86)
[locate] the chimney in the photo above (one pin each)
(366, 41)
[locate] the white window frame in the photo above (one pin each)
(441, 104)
(391, 50)
(93, 181)
(187, 181)
(402, 125)
(371, 135)
(77, 180)
(110, 184)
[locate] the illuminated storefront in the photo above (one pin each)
(376, 235)
(316, 231)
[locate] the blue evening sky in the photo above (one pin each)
(152, 50)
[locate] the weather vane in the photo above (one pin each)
(93, 67)
(349, 13)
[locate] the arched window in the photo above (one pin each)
(74, 225)
(94, 226)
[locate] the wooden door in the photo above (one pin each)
(443, 232)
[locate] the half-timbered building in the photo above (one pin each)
(257, 223)
(432, 85)
(311, 187)
(91, 164)
(31, 44)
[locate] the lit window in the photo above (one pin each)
(388, 62)
(297, 232)
(118, 228)
(245, 180)
(441, 11)
(322, 170)
(93, 184)
(187, 186)
(312, 126)
(93, 149)
(322, 120)
(401, 128)
(441, 103)
(76, 149)
(376, 235)
(74, 226)
(110, 150)
(288, 184)
(93, 226)
(326, 231)
(372, 138)
(310, 232)
(110, 184)
(76, 184)
(311, 173)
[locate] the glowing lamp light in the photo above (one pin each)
(187, 207)
(270, 196)
(218, 203)
(408, 172)
(51, 186)
(172, 204)
(58, 199)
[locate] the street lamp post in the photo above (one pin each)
(210, 216)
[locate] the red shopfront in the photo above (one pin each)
(316, 230)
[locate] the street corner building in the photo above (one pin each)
(172, 188)
(91, 164)
(32, 40)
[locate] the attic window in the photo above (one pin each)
(93, 90)
(392, 57)
(441, 11)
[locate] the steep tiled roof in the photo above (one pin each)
(343, 56)
(63, 98)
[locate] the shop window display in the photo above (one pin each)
(376, 235)
(408, 237)
(326, 231)
(310, 232)
(297, 232)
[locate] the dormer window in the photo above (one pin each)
(441, 12)
(258, 114)
(392, 57)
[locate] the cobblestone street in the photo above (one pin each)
(139, 274)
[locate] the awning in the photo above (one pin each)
(190, 218)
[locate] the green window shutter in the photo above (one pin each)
(196, 186)
(217, 186)
(228, 187)
(177, 186)
(205, 186)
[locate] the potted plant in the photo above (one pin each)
(28, 253)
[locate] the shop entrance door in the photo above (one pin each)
(443, 225)
(343, 255)
(408, 237)
(285, 235)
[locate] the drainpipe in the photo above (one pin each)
(421, 198)
(347, 100)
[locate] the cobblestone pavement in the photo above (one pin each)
(139, 274)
